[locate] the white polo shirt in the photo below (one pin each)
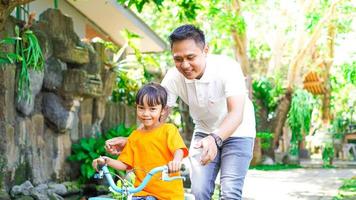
(206, 97)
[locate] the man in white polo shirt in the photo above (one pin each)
(213, 87)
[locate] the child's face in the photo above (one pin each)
(149, 115)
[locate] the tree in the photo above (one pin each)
(6, 7)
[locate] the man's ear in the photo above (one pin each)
(206, 49)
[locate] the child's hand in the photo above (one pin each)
(98, 161)
(174, 166)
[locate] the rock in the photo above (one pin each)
(54, 111)
(66, 43)
(38, 196)
(4, 195)
(24, 198)
(54, 196)
(23, 189)
(36, 80)
(41, 188)
(43, 40)
(93, 67)
(58, 188)
(53, 78)
(7, 93)
(267, 161)
(80, 83)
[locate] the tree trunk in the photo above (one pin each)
(280, 119)
(328, 63)
(241, 51)
(262, 124)
(293, 72)
(6, 7)
(298, 59)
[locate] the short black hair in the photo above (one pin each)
(186, 32)
(155, 94)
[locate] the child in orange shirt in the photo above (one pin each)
(153, 144)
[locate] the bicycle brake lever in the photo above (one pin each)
(99, 175)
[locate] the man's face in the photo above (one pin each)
(189, 58)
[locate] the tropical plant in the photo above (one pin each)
(266, 139)
(132, 72)
(88, 149)
(268, 90)
(299, 117)
(187, 8)
(348, 189)
(328, 155)
(28, 54)
(338, 126)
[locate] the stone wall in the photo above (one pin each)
(70, 101)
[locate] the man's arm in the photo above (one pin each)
(235, 106)
(115, 145)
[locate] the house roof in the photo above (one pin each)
(313, 84)
(111, 18)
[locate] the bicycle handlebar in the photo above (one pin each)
(131, 190)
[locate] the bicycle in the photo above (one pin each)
(129, 191)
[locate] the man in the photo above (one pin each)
(213, 87)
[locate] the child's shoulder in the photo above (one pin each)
(169, 125)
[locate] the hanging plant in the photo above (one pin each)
(32, 58)
(299, 117)
(28, 54)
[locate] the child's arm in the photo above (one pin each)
(117, 164)
(174, 165)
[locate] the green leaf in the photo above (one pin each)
(76, 148)
(93, 155)
(90, 171)
(81, 156)
(4, 61)
(9, 40)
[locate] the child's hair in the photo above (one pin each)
(155, 95)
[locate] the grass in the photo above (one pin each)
(348, 190)
(275, 167)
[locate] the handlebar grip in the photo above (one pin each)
(183, 168)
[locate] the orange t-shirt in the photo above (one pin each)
(146, 150)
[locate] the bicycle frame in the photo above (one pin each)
(129, 191)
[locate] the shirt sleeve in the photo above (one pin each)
(234, 81)
(126, 156)
(175, 141)
(169, 83)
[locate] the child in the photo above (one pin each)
(153, 144)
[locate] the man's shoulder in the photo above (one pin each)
(173, 76)
(173, 73)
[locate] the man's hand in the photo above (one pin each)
(115, 145)
(209, 149)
